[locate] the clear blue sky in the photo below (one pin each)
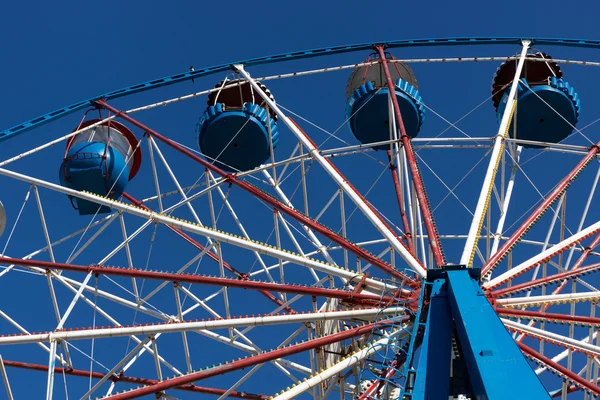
(57, 53)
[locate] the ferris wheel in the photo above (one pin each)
(251, 230)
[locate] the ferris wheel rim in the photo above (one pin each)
(521, 331)
(318, 52)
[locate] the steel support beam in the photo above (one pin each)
(497, 368)
(207, 232)
(552, 317)
(557, 278)
(544, 256)
(338, 367)
(211, 255)
(5, 379)
(345, 295)
(433, 374)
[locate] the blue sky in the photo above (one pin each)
(48, 45)
(57, 54)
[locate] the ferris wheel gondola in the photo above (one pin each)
(269, 256)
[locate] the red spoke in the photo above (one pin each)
(551, 317)
(584, 255)
(563, 276)
(247, 362)
(393, 167)
(560, 369)
(303, 219)
(213, 256)
(571, 389)
(432, 233)
(387, 374)
(539, 211)
(130, 379)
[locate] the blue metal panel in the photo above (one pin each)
(497, 368)
(189, 75)
(433, 373)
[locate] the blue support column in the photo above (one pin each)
(497, 368)
(433, 373)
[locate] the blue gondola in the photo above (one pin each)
(548, 107)
(100, 160)
(367, 105)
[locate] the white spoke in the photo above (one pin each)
(486, 188)
(188, 226)
(339, 179)
(218, 323)
(9, 395)
(114, 371)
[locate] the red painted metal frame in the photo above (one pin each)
(559, 368)
(571, 389)
(305, 220)
(393, 167)
(584, 255)
(539, 211)
(349, 296)
(576, 319)
(586, 252)
(213, 256)
(246, 362)
(428, 219)
(546, 280)
(130, 379)
(560, 248)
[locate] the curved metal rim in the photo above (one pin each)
(188, 75)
